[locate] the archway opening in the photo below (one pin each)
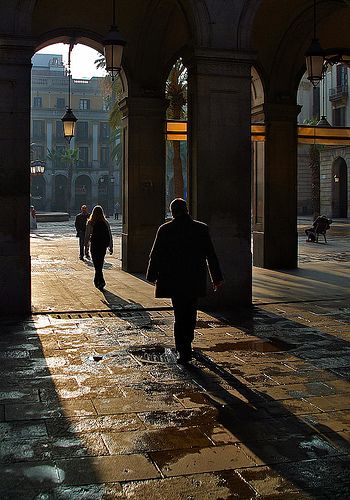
(339, 188)
(73, 170)
(177, 175)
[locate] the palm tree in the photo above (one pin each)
(176, 92)
(314, 165)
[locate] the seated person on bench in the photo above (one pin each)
(319, 226)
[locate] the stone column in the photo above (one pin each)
(220, 165)
(94, 191)
(94, 143)
(275, 239)
(144, 177)
(15, 73)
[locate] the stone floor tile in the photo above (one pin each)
(269, 484)
(328, 421)
(321, 478)
(28, 476)
(135, 403)
(297, 391)
(289, 450)
(329, 403)
(16, 395)
(31, 411)
(290, 406)
(194, 461)
(108, 423)
(179, 418)
(106, 469)
(211, 486)
(219, 435)
(22, 430)
(155, 440)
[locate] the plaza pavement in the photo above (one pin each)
(94, 406)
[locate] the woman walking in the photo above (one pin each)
(98, 232)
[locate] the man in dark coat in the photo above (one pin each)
(181, 253)
(80, 226)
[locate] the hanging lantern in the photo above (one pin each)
(69, 120)
(315, 62)
(113, 46)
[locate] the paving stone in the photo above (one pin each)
(109, 423)
(333, 402)
(164, 419)
(329, 421)
(22, 430)
(269, 484)
(320, 477)
(211, 486)
(49, 410)
(194, 461)
(17, 395)
(297, 391)
(106, 469)
(155, 440)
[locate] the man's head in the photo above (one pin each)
(178, 207)
(83, 209)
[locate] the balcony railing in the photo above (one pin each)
(338, 92)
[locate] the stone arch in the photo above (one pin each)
(258, 95)
(339, 180)
(60, 202)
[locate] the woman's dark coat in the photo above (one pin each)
(178, 261)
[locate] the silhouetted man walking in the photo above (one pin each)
(178, 262)
(80, 226)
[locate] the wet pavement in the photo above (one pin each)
(94, 406)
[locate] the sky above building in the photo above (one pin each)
(82, 59)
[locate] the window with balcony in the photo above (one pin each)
(84, 104)
(339, 117)
(59, 130)
(82, 130)
(60, 103)
(341, 90)
(104, 131)
(105, 155)
(83, 157)
(37, 102)
(38, 129)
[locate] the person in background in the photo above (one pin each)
(32, 215)
(80, 226)
(98, 233)
(116, 210)
(181, 253)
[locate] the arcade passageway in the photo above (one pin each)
(94, 405)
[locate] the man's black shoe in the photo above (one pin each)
(81, 257)
(183, 359)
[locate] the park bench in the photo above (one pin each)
(319, 227)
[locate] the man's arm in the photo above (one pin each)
(213, 264)
(154, 258)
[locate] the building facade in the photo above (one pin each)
(331, 101)
(88, 173)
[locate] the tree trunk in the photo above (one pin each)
(69, 186)
(315, 180)
(177, 163)
(177, 171)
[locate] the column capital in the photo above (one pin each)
(277, 111)
(16, 49)
(143, 105)
(214, 62)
